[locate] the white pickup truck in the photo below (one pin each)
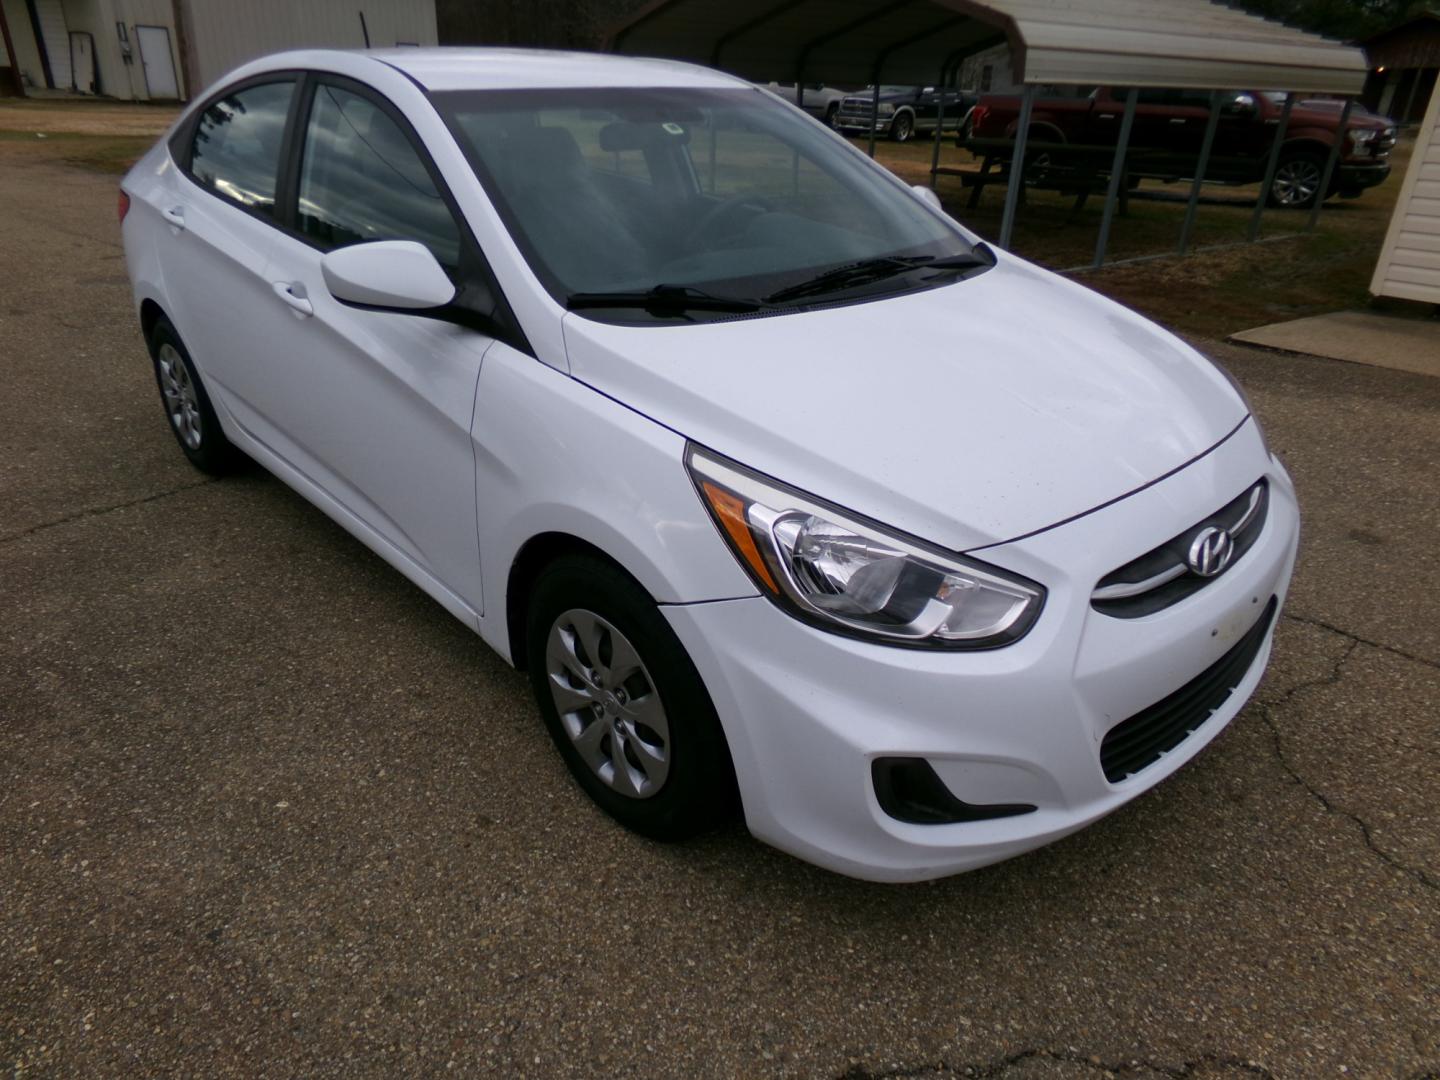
(819, 100)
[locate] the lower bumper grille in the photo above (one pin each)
(1139, 742)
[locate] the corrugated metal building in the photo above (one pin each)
(1409, 266)
(140, 50)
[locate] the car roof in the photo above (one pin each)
(503, 69)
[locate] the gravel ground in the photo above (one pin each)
(267, 810)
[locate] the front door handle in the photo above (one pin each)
(1177, 120)
(175, 215)
(286, 290)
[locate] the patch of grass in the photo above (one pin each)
(1211, 293)
(110, 154)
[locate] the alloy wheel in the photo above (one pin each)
(181, 403)
(1296, 182)
(608, 703)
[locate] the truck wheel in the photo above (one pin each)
(902, 127)
(966, 132)
(1297, 179)
(832, 111)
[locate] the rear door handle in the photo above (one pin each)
(175, 215)
(286, 291)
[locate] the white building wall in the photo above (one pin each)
(27, 51)
(1001, 81)
(225, 34)
(1409, 266)
(56, 43)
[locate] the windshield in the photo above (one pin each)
(725, 192)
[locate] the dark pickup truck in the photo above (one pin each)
(904, 111)
(1170, 125)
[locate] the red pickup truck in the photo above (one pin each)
(1169, 127)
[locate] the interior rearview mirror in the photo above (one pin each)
(397, 275)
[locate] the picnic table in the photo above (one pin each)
(1070, 168)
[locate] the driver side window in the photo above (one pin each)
(362, 179)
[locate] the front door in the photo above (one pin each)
(158, 62)
(374, 406)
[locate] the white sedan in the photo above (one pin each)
(793, 497)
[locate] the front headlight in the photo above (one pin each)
(848, 575)
(1362, 138)
(886, 110)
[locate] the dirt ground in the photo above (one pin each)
(51, 117)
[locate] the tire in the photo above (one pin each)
(831, 112)
(902, 127)
(1297, 179)
(965, 133)
(1038, 164)
(187, 405)
(650, 722)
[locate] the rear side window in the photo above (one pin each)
(236, 148)
(361, 179)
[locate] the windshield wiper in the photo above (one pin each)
(869, 270)
(664, 300)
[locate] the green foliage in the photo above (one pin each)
(1346, 20)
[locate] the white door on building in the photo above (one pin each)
(158, 61)
(82, 61)
(51, 16)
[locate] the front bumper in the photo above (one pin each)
(852, 122)
(1351, 179)
(807, 712)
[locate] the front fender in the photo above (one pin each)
(555, 456)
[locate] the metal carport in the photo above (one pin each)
(1190, 44)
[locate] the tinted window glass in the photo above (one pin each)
(236, 152)
(361, 179)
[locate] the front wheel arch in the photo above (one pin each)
(150, 314)
(529, 563)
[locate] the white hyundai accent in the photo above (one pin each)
(789, 492)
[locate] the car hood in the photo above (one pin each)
(1322, 113)
(967, 415)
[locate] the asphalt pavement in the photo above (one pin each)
(266, 810)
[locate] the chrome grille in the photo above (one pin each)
(1165, 575)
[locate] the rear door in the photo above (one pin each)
(1150, 129)
(219, 227)
(374, 406)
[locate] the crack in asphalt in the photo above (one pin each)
(99, 511)
(1267, 713)
(1000, 1066)
(1309, 620)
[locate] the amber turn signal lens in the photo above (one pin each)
(730, 512)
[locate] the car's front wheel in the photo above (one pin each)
(187, 405)
(902, 127)
(1297, 179)
(623, 702)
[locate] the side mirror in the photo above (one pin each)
(397, 275)
(1240, 105)
(927, 196)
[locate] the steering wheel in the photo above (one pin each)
(728, 208)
